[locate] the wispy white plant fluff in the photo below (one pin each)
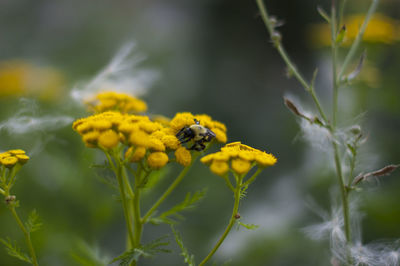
(122, 74)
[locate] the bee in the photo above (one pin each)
(196, 132)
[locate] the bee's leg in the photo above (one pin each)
(184, 140)
(198, 146)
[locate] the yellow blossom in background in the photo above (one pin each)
(380, 29)
(10, 158)
(113, 101)
(241, 157)
(23, 78)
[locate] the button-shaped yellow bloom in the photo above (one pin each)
(240, 166)
(137, 155)
(219, 167)
(9, 162)
(157, 160)
(108, 139)
(183, 156)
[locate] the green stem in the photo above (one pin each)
(292, 68)
(350, 55)
(231, 223)
(26, 234)
(125, 203)
(334, 64)
(169, 190)
(253, 177)
(138, 224)
(343, 193)
(342, 5)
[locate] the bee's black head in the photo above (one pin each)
(197, 122)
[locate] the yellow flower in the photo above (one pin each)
(16, 152)
(23, 78)
(171, 142)
(90, 138)
(207, 159)
(241, 156)
(221, 156)
(9, 162)
(101, 125)
(155, 144)
(108, 139)
(22, 158)
(240, 166)
(124, 103)
(139, 138)
(219, 168)
(380, 29)
(137, 155)
(183, 156)
(220, 136)
(156, 160)
(265, 159)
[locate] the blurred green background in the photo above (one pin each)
(210, 56)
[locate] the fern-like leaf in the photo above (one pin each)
(33, 223)
(148, 250)
(14, 251)
(243, 192)
(86, 255)
(248, 226)
(188, 203)
(188, 258)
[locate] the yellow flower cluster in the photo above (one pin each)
(144, 138)
(22, 78)
(113, 101)
(186, 119)
(241, 157)
(10, 158)
(380, 29)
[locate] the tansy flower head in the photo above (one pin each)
(183, 156)
(108, 101)
(157, 160)
(108, 139)
(138, 154)
(10, 158)
(241, 158)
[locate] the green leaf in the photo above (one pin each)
(341, 35)
(155, 177)
(323, 14)
(14, 251)
(33, 223)
(188, 203)
(248, 226)
(188, 258)
(87, 255)
(148, 250)
(126, 258)
(243, 192)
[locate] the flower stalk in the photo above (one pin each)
(337, 76)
